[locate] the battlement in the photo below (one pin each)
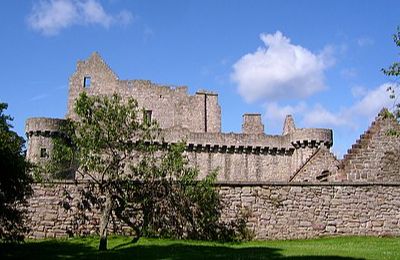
(311, 137)
(43, 126)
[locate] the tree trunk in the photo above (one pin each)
(105, 218)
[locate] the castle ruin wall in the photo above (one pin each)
(170, 107)
(376, 155)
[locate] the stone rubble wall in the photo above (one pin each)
(277, 210)
(322, 162)
(170, 106)
(376, 155)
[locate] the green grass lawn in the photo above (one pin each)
(122, 248)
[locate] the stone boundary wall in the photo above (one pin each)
(277, 210)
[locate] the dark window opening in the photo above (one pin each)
(43, 152)
(323, 177)
(147, 116)
(86, 82)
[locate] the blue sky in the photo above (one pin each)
(317, 60)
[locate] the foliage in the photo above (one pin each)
(14, 181)
(394, 71)
(176, 204)
(129, 176)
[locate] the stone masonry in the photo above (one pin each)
(250, 155)
(277, 210)
(292, 185)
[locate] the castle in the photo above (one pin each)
(248, 156)
(291, 183)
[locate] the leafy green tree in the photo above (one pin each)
(15, 182)
(133, 175)
(100, 145)
(394, 71)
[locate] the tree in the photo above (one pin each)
(100, 144)
(132, 175)
(15, 182)
(394, 71)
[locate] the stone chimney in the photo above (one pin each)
(288, 125)
(252, 124)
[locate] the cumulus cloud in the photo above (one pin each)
(280, 70)
(358, 91)
(319, 116)
(276, 113)
(366, 107)
(51, 16)
(373, 101)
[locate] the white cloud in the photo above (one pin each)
(365, 108)
(348, 73)
(319, 116)
(51, 16)
(280, 70)
(277, 113)
(372, 102)
(364, 41)
(358, 91)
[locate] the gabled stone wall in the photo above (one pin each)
(322, 166)
(375, 156)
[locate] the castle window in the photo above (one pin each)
(147, 116)
(86, 82)
(43, 152)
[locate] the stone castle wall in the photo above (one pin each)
(250, 157)
(376, 155)
(277, 210)
(170, 106)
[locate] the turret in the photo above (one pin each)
(40, 132)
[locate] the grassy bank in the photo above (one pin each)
(122, 248)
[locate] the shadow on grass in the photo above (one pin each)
(60, 249)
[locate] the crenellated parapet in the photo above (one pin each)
(230, 142)
(43, 126)
(311, 137)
